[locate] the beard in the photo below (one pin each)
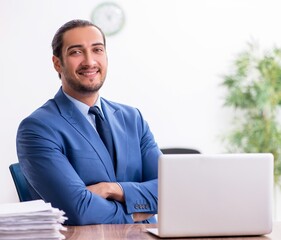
(78, 86)
(83, 88)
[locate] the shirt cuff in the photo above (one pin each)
(120, 186)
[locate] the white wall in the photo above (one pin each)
(167, 61)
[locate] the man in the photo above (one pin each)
(65, 160)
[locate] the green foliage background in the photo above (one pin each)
(254, 91)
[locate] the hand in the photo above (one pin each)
(138, 217)
(107, 190)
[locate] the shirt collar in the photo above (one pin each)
(83, 108)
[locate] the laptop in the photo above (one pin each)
(201, 195)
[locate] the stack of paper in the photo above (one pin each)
(31, 220)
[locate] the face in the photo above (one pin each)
(84, 61)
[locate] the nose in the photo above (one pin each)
(89, 59)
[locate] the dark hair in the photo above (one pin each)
(58, 38)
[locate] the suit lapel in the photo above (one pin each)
(81, 124)
(118, 128)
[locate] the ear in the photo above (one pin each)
(57, 64)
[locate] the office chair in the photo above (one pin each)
(179, 151)
(20, 182)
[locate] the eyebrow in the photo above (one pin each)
(81, 46)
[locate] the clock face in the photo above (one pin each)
(109, 17)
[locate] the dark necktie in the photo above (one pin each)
(104, 131)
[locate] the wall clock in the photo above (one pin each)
(109, 17)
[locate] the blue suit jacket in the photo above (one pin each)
(60, 154)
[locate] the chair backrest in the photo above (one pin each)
(20, 182)
(179, 151)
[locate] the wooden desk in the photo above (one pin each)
(138, 231)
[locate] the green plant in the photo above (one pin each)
(254, 91)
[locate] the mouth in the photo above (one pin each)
(88, 72)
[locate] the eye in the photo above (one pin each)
(98, 50)
(75, 52)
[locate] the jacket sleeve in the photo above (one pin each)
(142, 196)
(50, 173)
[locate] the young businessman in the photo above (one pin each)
(65, 159)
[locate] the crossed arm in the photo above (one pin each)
(114, 191)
